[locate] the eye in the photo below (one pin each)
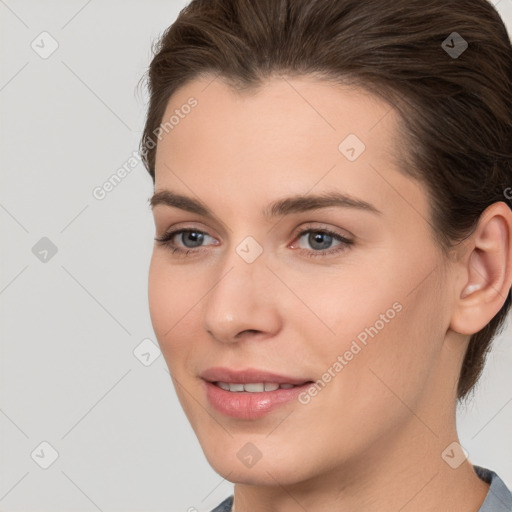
(191, 239)
(321, 241)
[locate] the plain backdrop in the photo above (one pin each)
(89, 419)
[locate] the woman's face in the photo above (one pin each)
(362, 312)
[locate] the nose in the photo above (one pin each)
(242, 303)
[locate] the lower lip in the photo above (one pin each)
(248, 405)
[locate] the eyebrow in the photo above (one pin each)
(278, 208)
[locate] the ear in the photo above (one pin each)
(486, 268)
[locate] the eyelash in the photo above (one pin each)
(166, 240)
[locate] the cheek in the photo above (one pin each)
(384, 337)
(394, 353)
(171, 296)
(337, 307)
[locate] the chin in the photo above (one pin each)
(272, 468)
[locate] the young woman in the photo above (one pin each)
(333, 249)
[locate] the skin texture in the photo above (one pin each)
(373, 437)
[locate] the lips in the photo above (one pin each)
(250, 393)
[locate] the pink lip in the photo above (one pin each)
(249, 405)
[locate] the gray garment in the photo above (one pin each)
(225, 506)
(498, 499)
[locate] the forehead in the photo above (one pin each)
(283, 118)
(287, 135)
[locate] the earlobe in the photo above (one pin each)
(487, 271)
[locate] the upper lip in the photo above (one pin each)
(247, 376)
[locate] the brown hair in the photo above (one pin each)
(455, 108)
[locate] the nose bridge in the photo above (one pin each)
(239, 298)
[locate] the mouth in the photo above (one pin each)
(251, 393)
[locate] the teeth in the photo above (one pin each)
(256, 387)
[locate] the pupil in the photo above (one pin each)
(313, 239)
(196, 237)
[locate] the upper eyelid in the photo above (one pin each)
(314, 224)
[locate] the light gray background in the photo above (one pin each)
(70, 325)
